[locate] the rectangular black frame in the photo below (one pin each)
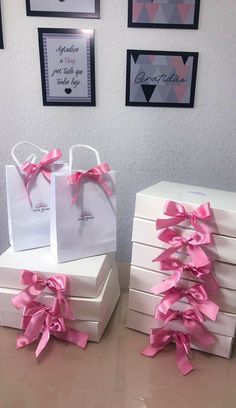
(1, 34)
(162, 104)
(193, 26)
(41, 31)
(72, 14)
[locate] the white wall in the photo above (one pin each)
(144, 145)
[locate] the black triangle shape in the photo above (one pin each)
(148, 91)
(135, 55)
(185, 58)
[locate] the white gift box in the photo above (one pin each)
(144, 280)
(150, 204)
(146, 303)
(144, 323)
(83, 308)
(142, 255)
(224, 248)
(87, 276)
(94, 329)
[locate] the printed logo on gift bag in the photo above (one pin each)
(199, 193)
(41, 207)
(85, 215)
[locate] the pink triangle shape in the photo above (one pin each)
(151, 58)
(184, 10)
(180, 91)
(181, 69)
(137, 8)
(152, 10)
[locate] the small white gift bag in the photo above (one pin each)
(83, 211)
(28, 198)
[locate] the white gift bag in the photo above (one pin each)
(83, 211)
(28, 198)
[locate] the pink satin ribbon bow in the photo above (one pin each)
(192, 320)
(39, 319)
(57, 284)
(96, 174)
(32, 169)
(173, 264)
(159, 339)
(197, 296)
(192, 243)
(178, 214)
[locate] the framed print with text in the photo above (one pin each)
(67, 66)
(63, 8)
(161, 78)
(164, 13)
(1, 35)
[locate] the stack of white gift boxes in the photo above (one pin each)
(147, 273)
(92, 293)
(73, 300)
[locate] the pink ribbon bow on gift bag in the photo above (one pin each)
(32, 169)
(197, 296)
(178, 214)
(192, 320)
(39, 319)
(96, 174)
(173, 264)
(160, 339)
(192, 243)
(57, 284)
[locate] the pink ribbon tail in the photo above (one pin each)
(167, 284)
(182, 350)
(76, 337)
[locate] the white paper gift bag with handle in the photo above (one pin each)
(28, 198)
(83, 211)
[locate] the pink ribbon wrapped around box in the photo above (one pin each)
(197, 296)
(192, 320)
(96, 173)
(178, 214)
(160, 338)
(46, 321)
(173, 264)
(192, 243)
(32, 169)
(57, 284)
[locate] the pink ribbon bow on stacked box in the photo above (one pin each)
(173, 264)
(96, 173)
(39, 319)
(192, 320)
(197, 296)
(160, 338)
(57, 284)
(178, 214)
(193, 244)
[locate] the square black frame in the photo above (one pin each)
(193, 26)
(65, 14)
(162, 104)
(1, 33)
(41, 31)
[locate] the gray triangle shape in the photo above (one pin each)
(164, 91)
(175, 18)
(144, 17)
(161, 18)
(139, 96)
(171, 98)
(168, 11)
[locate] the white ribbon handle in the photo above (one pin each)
(31, 158)
(85, 147)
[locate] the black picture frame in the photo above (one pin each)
(192, 26)
(67, 99)
(1, 33)
(143, 87)
(72, 14)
